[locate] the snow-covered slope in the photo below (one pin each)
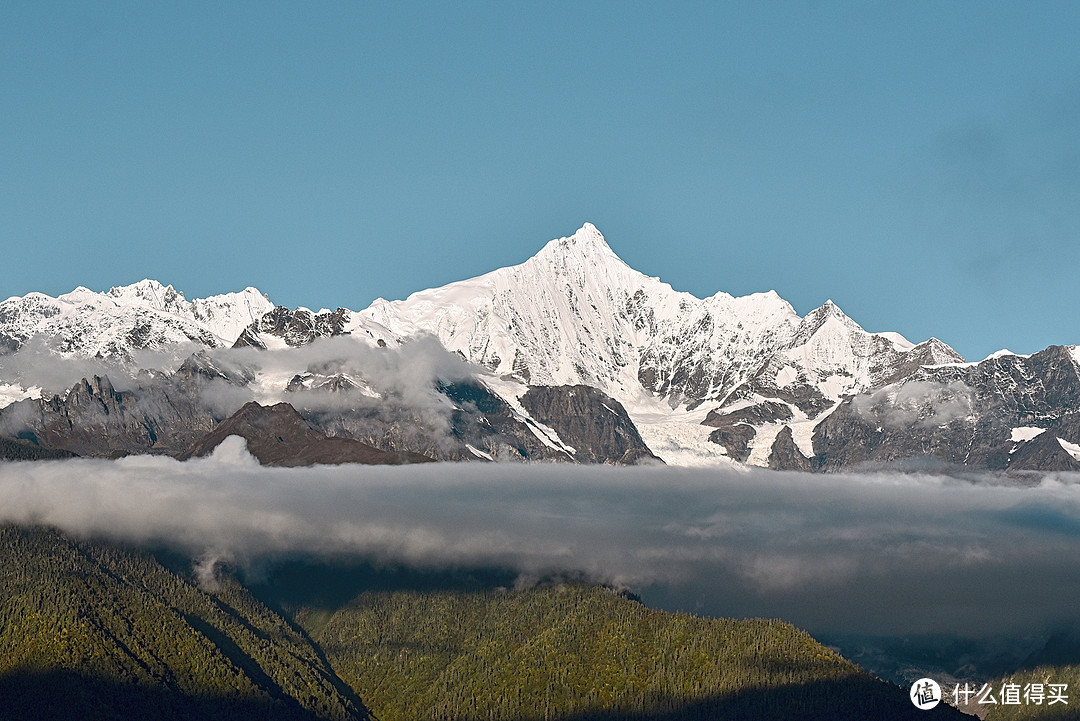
(576, 313)
(145, 315)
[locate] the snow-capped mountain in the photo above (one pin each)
(710, 380)
(576, 314)
(116, 323)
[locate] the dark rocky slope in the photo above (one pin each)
(962, 415)
(278, 436)
(593, 423)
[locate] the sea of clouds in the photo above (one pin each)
(883, 553)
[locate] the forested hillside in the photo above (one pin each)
(584, 652)
(1037, 681)
(90, 630)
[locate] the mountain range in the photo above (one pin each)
(569, 356)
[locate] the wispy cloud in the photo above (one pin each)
(927, 403)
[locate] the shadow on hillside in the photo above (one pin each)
(65, 695)
(313, 584)
(898, 657)
(837, 700)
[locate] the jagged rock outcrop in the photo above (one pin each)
(294, 327)
(785, 455)
(95, 419)
(158, 413)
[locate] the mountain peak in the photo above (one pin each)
(589, 231)
(828, 315)
(162, 297)
(585, 247)
(826, 311)
(585, 237)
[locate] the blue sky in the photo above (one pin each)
(917, 162)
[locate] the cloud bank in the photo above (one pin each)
(872, 553)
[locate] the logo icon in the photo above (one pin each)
(925, 694)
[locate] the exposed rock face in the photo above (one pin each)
(593, 423)
(1005, 413)
(1042, 453)
(295, 327)
(201, 368)
(764, 412)
(457, 415)
(735, 439)
(94, 419)
(169, 413)
(278, 436)
(785, 455)
(159, 413)
(486, 422)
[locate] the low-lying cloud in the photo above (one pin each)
(873, 553)
(37, 363)
(925, 403)
(395, 386)
(367, 389)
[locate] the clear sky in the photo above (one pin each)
(917, 162)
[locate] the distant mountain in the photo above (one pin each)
(1009, 412)
(146, 315)
(576, 314)
(719, 380)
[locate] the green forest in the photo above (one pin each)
(93, 630)
(1043, 706)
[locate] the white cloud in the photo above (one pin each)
(883, 553)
